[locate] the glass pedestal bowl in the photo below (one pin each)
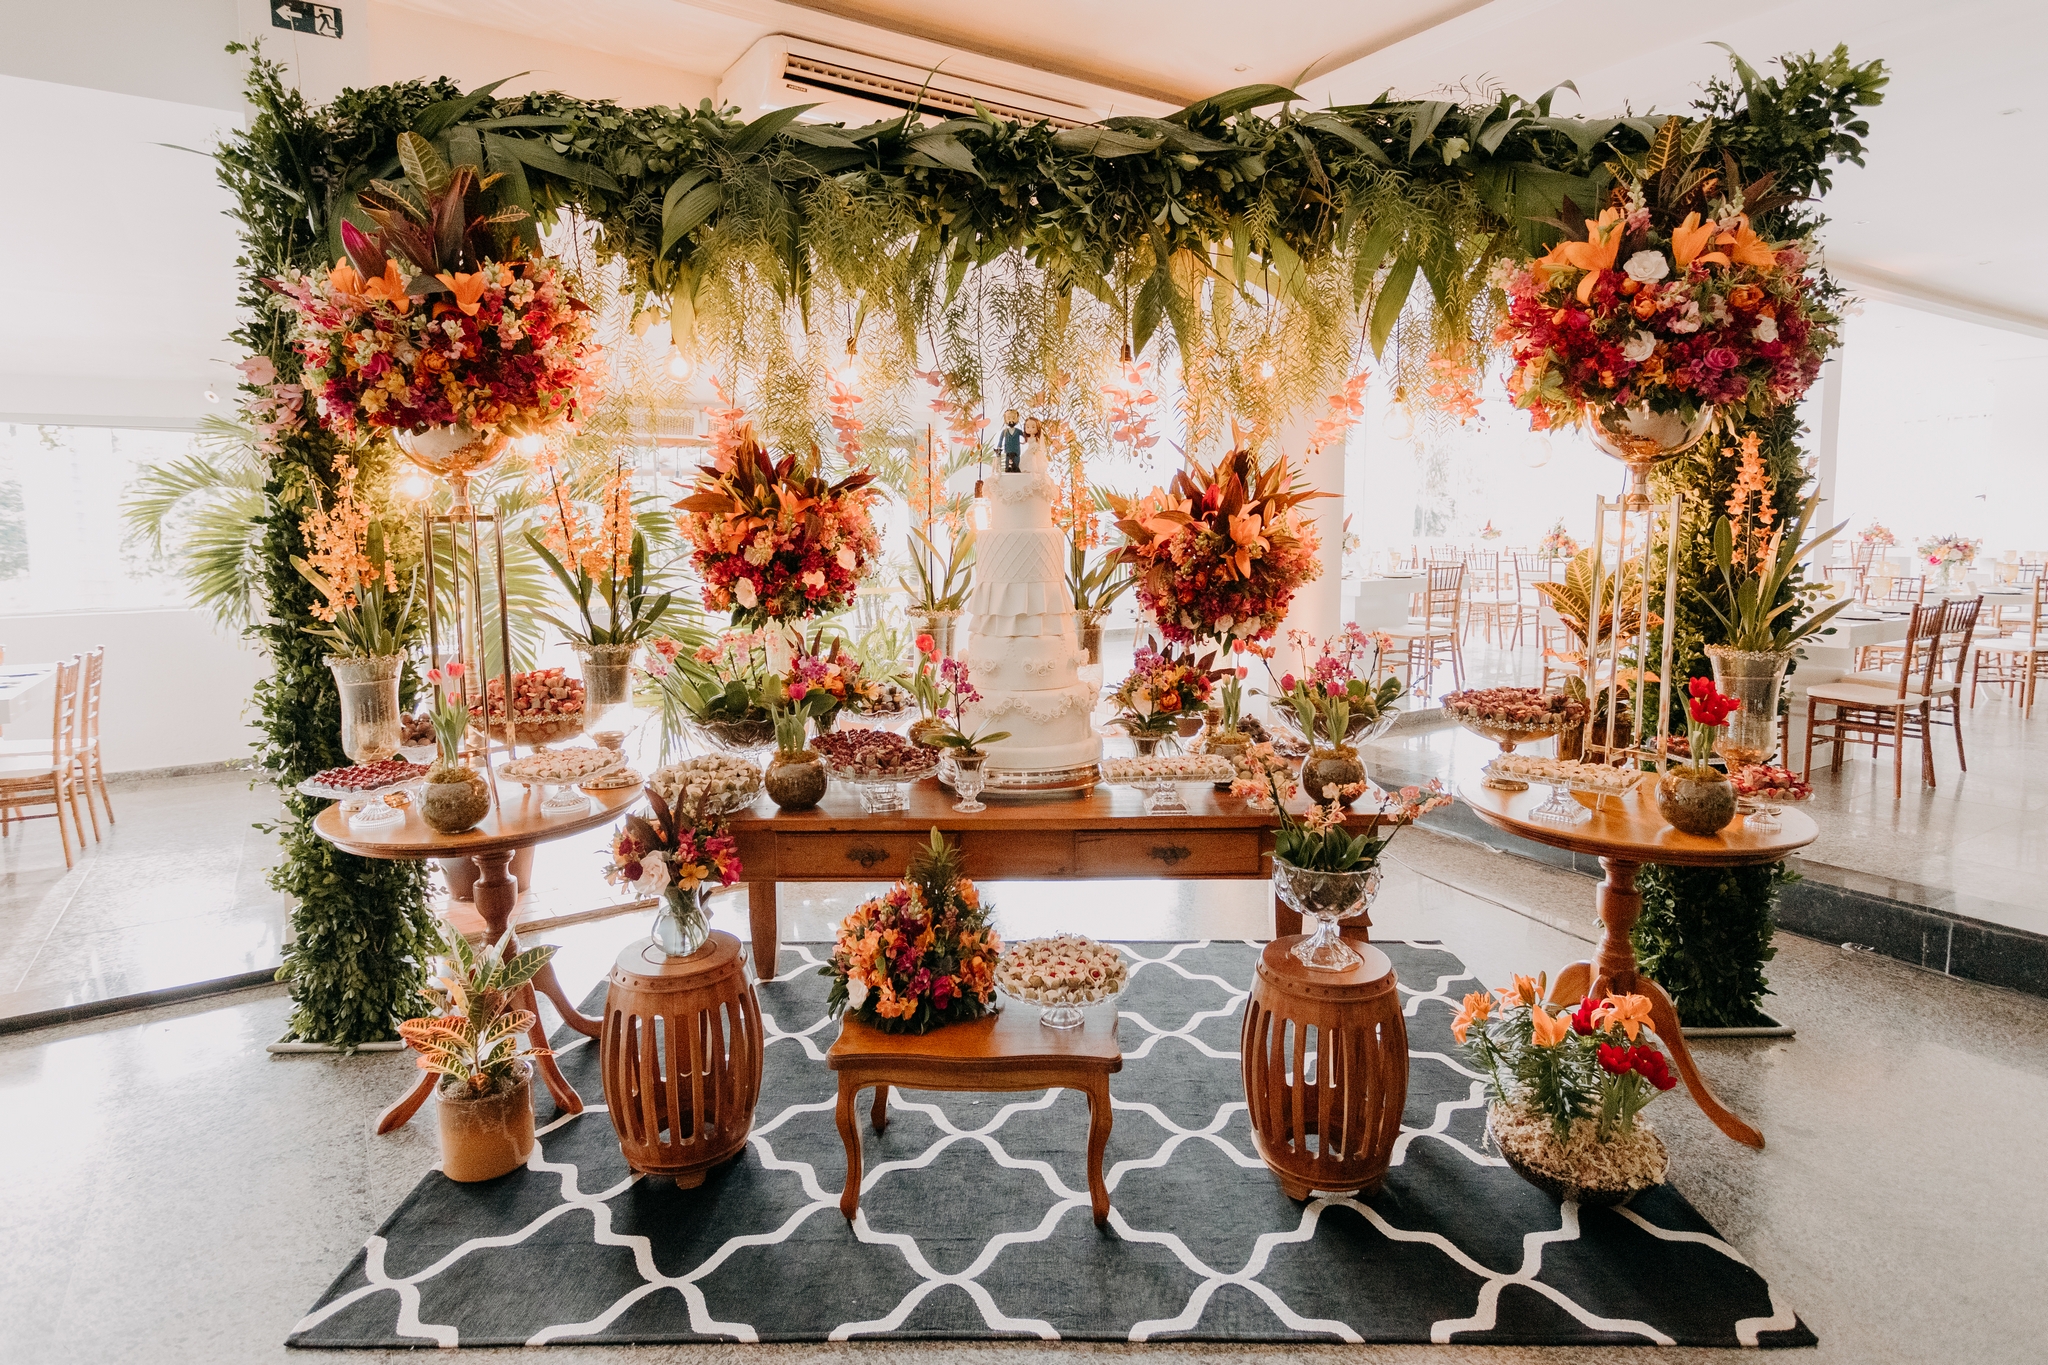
(1062, 1003)
(1326, 898)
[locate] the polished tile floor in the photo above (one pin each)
(174, 1195)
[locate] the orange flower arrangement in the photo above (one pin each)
(920, 955)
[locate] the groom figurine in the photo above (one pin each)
(1011, 444)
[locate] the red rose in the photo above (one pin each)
(1582, 1017)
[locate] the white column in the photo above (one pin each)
(1318, 606)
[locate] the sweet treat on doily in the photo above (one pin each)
(713, 782)
(369, 777)
(1763, 782)
(1070, 969)
(874, 755)
(1023, 654)
(1169, 768)
(559, 765)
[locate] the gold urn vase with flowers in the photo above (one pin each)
(475, 1042)
(1568, 1088)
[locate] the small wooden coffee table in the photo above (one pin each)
(1010, 1051)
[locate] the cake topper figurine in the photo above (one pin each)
(1011, 443)
(1032, 430)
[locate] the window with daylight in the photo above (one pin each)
(63, 545)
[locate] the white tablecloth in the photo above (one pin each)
(1382, 603)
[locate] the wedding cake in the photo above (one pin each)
(1022, 653)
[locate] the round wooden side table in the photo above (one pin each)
(514, 823)
(1624, 833)
(1330, 1126)
(681, 1058)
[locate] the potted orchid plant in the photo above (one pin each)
(1327, 873)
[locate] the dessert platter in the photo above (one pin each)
(1761, 791)
(558, 772)
(1514, 772)
(1513, 715)
(881, 763)
(1023, 650)
(372, 795)
(547, 706)
(1159, 775)
(715, 784)
(1062, 975)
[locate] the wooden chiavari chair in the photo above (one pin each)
(2015, 663)
(1437, 633)
(48, 778)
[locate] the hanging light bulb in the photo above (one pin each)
(1265, 369)
(1536, 453)
(850, 370)
(414, 486)
(530, 445)
(679, 365)
(1400, 423)
(1125, 357)
(212, 396)
(980, 509)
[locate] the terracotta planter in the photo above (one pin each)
(796, 781)
(454, 799)
(1331, 767)
(1693, 804)
(482, 1139)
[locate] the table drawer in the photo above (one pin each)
(1167, 853)
(879, 856)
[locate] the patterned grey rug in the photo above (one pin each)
(974, 1217)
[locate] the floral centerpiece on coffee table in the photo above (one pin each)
(439, 319)
(1568, 1088)
(683, 854)
(1667, 300)
(1219, 553)
(772, 540)
(920, 955)
(1158, 692)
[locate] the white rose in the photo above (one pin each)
(1766, 329)
(653, 877)
(846, 560)
(744, 594)
(1647, 267)
(856, 994)
(1639, 347)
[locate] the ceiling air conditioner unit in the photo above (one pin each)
(856, 89)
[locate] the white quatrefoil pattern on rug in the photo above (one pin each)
(974, 1220)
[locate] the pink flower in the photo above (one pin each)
(1722, 358)
(798, 690)
(1286, 682)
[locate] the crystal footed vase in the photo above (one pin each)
(607, 685)
(1755, 679)
(1326, 898)
(370, 726)
(683, 923)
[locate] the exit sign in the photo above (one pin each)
(302, 17)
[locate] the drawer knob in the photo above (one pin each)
(867, 857)
(1171, 853)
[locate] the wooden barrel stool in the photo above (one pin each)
(1334, 1130)
(681, 1057)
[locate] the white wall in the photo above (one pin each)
(406, 43)
(176, 687)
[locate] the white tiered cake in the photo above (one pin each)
(1022, 653)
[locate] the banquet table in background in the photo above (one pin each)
(1383, 603)
(18, 684)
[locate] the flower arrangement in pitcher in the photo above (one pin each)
(1568, 1087)
(772, 540)
(1667, 299)
(1159, 691)
(1219, 552)
(921, 954)
(439, 318)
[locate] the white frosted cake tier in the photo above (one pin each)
(1048, 728)
(1019, 573)
(1020, 502)
(1023, 663)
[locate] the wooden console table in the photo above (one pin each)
(517, 823)
(1010, 1051)
(1624, 833)
(1105, 835)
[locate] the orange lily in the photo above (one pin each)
(468, 289)
(1551, 263)
(1526, 991)
(1749, 249)
(390, 286)
(1597, 252)
(343, 279)
(1478, 1006)
(1244, 529)
(1632, 1012)
(1687, 239)
(1546, 1030)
